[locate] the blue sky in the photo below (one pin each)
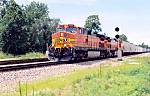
(131, 16)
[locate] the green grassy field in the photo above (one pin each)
(131, 78)
(30, 55)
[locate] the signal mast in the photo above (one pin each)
(119, 53)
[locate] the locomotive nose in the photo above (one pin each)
(63, 39)
(60, 40)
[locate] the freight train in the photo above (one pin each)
(75, 43)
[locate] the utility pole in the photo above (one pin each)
(119, 53)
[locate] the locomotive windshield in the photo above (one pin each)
(60, 29)
(72, 30)
(69, 28)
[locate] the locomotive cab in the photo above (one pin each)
(64, 36)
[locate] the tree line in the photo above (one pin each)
(25, 28)
(28, 28)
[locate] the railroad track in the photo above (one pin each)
(11, 65)
(7, 62)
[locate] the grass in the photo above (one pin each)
(30, 55)
(57, 83)
(5, 56)
(128, 79)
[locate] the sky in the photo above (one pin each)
(131, 16)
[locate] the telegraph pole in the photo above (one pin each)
(119, 53)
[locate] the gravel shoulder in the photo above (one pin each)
(9, 80)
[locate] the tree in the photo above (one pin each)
(124, 38)
(26, 28)
(53, 23)
(92, 23)
(39, 26)
(14, 36)
(3, 4)
(144, 45)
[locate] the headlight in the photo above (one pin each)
(52, 45)
(65, 45)
(61, 34)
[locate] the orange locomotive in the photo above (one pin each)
(73, 43)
